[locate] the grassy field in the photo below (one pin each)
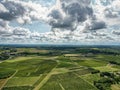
(91, 63)
(6, 72)
(115, 87)
(60, 69)
(68, 81)
(91, 77)
(106, 69)
(22, 81)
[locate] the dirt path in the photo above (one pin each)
(61, 86)
(7, 80)
(44, 80)
(86, 81)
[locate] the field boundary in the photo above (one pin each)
(61, 86)
(85, 81)
(8, 79)
(44, 80)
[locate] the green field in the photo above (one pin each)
(61, 81)
(115, 87)
(91, 63)
(21, 81)
(57, 68)
(91, 77)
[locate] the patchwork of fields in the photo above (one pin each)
(57, 69)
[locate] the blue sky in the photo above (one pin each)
(38, 26)
(60, 21)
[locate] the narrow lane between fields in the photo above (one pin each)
(39, 86)
(8, 79)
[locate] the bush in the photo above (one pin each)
(102, 74)
(4, 56)
(95, 71)
(113, 62)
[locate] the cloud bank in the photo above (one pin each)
(82, 21)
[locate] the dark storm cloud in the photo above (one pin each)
(75, 11)
(116, 32)
(78, 10)
(72, 13)
(109, 13)
(95, 25)
(15, 10)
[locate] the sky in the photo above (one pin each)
(81, 22)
